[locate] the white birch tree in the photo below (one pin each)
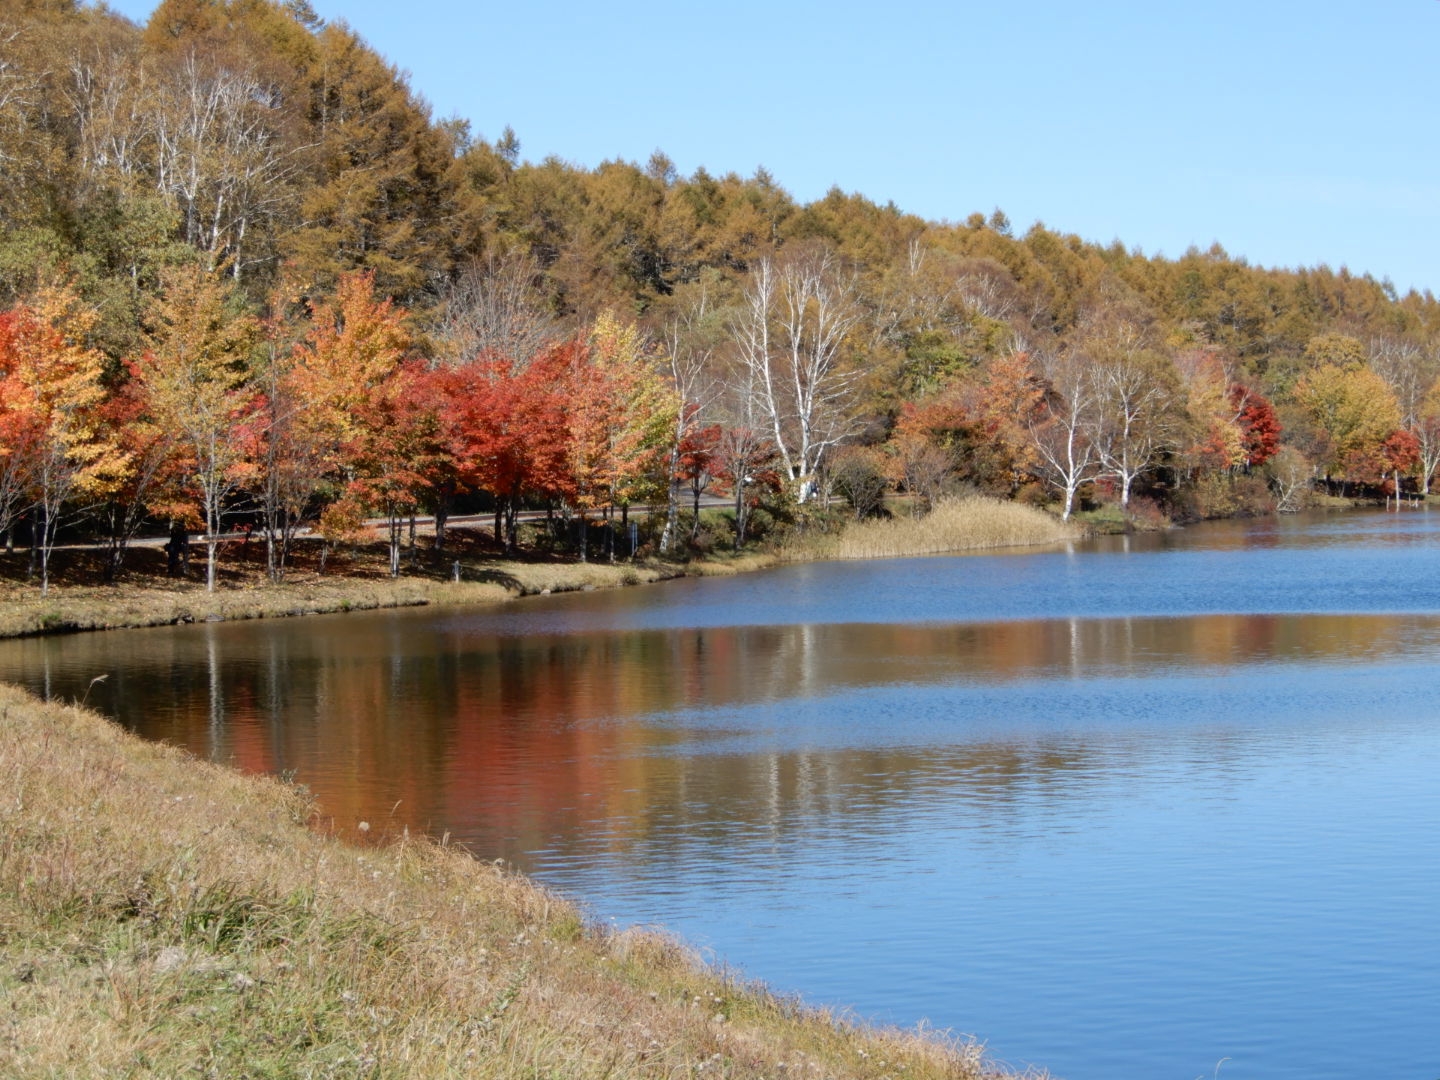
(1061, 431)
(1413, 374)
(1137, 415)
(790, 337)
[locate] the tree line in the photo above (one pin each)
(243, 267)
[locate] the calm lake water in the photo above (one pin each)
(1159, 807)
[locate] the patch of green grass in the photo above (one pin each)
(1104, 520)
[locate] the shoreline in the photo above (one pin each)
(184, 913)
(130, 606)
(149, 598)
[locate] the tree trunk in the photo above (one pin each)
(212, 538)
(442, 515)
(740, 515)
(42, 540)
(172, 549)
(512, 525)
(672, 513)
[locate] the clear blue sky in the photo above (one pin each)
(1292, 133)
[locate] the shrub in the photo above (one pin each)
(1032, 494)
(858, 475)
(1147, 515)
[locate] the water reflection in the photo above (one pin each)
(503, 738)
(1123, 810)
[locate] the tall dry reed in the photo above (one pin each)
(957, 524)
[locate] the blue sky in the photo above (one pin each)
(1291, 133)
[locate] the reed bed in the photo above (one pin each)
(160, 916)
(958, 524)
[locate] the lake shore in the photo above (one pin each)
(182, 916)
(79, 600)
(183, 913)
(148, 598)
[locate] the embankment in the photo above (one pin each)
(160, 916)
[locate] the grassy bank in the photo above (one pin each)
(160, 916)
(358, 579)
(966, 523)
(79, 599)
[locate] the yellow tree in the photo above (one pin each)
(1351, 411)
(54, 389)
(386, 195)
(1215, 440)
(195, 382)
(1412, 372)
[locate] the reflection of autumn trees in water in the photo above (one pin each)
(517, 744)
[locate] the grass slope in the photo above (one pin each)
(160, 916)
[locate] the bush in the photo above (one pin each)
(1104, 520)
(858, 475)
(1147, 515)
(1222, 495)
(954, 525)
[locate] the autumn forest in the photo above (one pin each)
(248, 280)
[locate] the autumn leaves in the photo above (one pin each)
(55, 442)
(320, 411)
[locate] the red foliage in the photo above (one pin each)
(1258, 423)
(505, 425)
(695, 459)
(1401, 451)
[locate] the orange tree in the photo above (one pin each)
(620, 411)
(368, 424)
(51, 397)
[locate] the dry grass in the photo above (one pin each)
(163, 917)
(960, 524)
(159, 603)
(727, 564)
(356, 580)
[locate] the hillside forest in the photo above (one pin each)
(248, 279)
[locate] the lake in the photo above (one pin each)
(1160, 806)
